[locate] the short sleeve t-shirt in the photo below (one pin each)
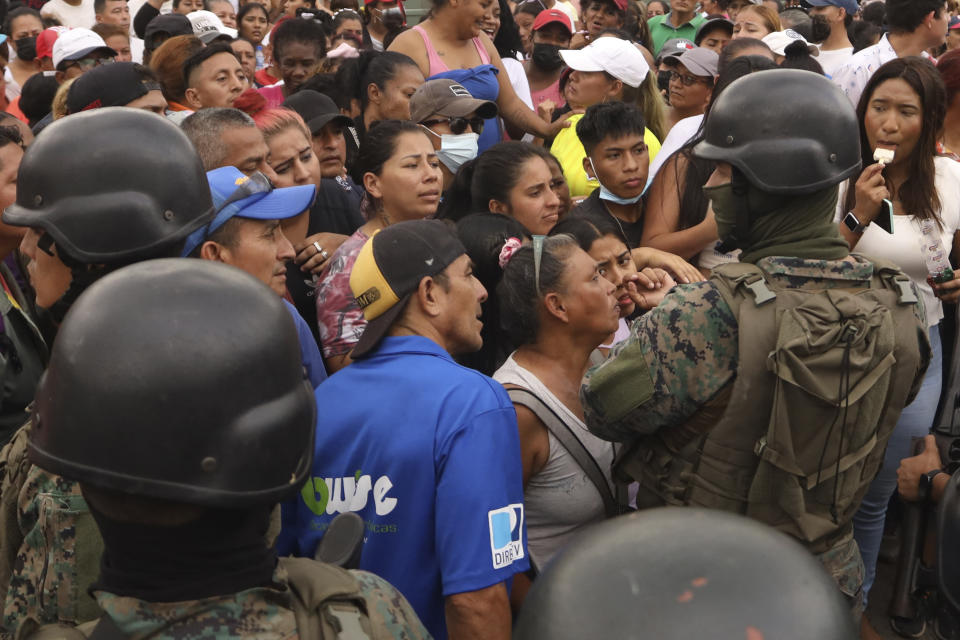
(428, 454)
(570, 153)
(80, 16)
(339, 319)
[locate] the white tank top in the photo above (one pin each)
(560, 499)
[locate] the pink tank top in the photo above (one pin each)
(436, 64)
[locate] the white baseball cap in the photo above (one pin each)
(74, 44)
(207, 26)
(617, 57)
(778, 41)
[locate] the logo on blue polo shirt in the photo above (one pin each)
(506, 535)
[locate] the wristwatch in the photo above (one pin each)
(853, 223)
(926, 483)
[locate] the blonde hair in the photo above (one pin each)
(770, 18)
(59, 106)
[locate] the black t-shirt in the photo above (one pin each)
(337, 210)
(594, 206)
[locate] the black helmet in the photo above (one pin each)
(674, 573)
(112, 186)
(180, 380)
(948, 551)
(788, 131)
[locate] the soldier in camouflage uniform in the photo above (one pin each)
(95, 198)
(771, 389)
(176, 398)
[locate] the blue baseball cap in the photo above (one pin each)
(851, 6)
(238, 195)
(954, 23)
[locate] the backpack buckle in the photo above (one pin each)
(759, 289)
(903, 285)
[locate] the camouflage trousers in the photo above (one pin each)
(844, 563)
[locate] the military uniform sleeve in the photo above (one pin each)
(678, 357)
(14, 466)
(388, 609)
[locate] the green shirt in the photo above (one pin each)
(661, 30)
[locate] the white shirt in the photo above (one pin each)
(853, 76)
(679, 135)
(903, 247)
(81, 16)
(136, 49)
(832, 60)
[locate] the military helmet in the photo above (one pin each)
(948, 552)
(788, 131)
(111, 186)
(677, 573)
(180, 380)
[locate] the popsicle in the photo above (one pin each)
(883, 156)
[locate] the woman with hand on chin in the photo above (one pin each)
(902, 111)
(451, 44)
(402, 178)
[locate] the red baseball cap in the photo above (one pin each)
(45, 41)
(549, 16)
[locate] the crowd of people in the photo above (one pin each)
(544, 263)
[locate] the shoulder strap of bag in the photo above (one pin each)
(326, 601)
(571, 443)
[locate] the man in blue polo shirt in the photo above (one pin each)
(681, 22)
(426, 451)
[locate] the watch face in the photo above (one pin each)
(852, 223)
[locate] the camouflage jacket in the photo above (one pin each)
(682, 354)
(671, 377)
(264, 613)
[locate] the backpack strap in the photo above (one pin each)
(735, 279)
(893, 277)
(571, 443)
(326, 601)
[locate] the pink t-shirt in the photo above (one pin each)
(339, 319)
(550, 93)
(273, 95)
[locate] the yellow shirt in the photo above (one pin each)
(570, 152)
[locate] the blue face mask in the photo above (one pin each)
(606, 194)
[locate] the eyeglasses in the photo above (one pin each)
(457, 125)
(688, 80)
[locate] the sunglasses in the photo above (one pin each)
(457, 125)
(89, 63)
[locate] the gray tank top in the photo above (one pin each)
(560, 499)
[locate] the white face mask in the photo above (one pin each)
(455, 150)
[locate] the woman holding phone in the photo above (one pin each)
(902, 110)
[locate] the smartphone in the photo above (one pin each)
(885, 219)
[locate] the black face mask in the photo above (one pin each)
(820, 29)
(547, 57)
(26, 48)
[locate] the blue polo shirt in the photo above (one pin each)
(428, 453)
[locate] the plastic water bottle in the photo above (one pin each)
(937, 259)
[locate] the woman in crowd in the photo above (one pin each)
(224, 10)
(298, 49)
(601, 238)
(756, 21)
(167, 62)
(402, 179)
(558, 308)
(598, 16)
(509, 178)
(490, 239)
(381, 83)
(347, 27)
(656, 8)
(451, 44)
(246, 53)
(22, 26)
(524, 15)
(902, 109)
(558, 183)
(678, 217)
(253, 23)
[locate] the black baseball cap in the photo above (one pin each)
(316, 109)
(169, 24)
(109, 85)
(389, 268)
(712, 25)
